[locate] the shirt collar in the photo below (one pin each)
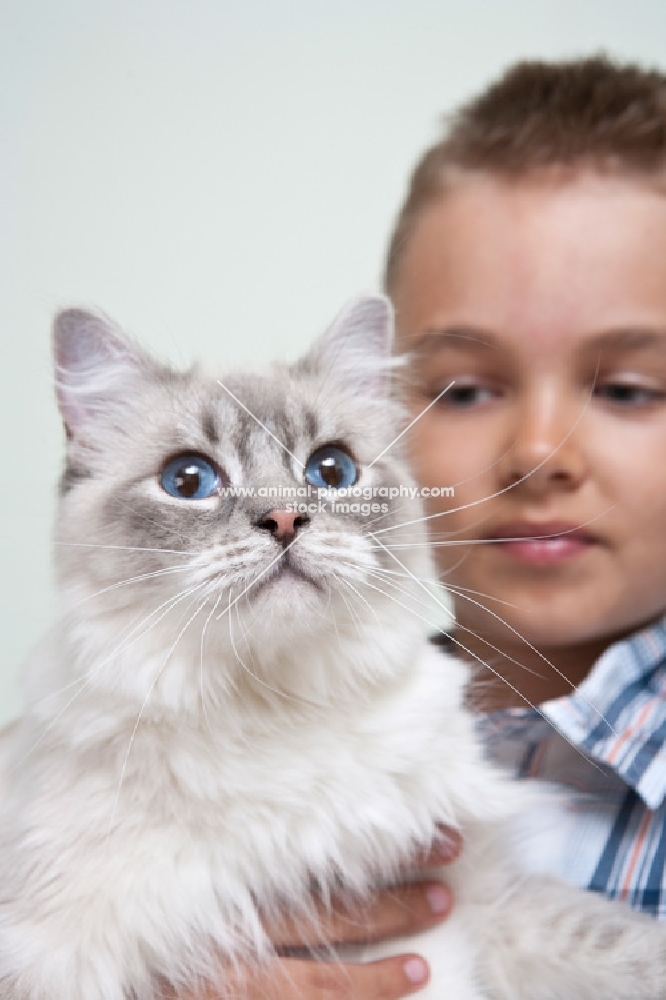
(617, 715)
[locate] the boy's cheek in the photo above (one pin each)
(442, 456)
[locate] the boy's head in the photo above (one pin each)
(539, 286)
(558, 117)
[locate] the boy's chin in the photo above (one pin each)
(554, 622)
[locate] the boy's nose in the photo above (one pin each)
(546, 451)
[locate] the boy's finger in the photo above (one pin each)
(446, 848)
(389, 979)
(396, 911)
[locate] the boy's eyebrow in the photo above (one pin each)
(630, 339)
(461, 337)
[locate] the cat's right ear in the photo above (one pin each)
(95, 367)
(356, 348)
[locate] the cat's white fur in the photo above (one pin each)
(164, 791)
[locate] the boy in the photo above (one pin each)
(529, 264)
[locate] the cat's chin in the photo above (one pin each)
(288, 582)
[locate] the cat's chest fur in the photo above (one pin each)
(207, 829)
(327, 793)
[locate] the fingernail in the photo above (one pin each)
(416, 970)
(447, 848)
(439, 898)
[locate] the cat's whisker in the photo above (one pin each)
(517, 482)
(127, 548)
(352, 613)
(170, 603)
(456, 565)
(85, 679)
(523, 698)
(466, 597)
(262, 572)
(126, 583)
(443, 585)
(40, 739)
(323, 612)
(360, 597)
(330, 609)
(390, 580)
(411, 424)
(248, 621)
(239, 658)
(442, 534)
(386, 581)
(454, 588)
(261, 423)
(391, 512)
(429, 545)
(201, 659)
(446, 536)
(143, 706)
(367, 569)
(243, 624)
(207, 586)
(244, 666)
(486, 468)
(144, 517)
(487, 666)
(483, 541)
(516, 633)
(437, 536)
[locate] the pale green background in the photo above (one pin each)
(218, 175)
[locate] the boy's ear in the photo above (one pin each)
(96, 367)
(357, 346)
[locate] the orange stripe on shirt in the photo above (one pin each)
(628, 733)
(635, 854)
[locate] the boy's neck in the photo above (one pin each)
(532, 678)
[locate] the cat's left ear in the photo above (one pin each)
(357, 346)
(96, 369)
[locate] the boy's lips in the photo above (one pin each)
(542, 543)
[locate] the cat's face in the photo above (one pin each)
(154, 458)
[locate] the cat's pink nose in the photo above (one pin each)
(282, 524)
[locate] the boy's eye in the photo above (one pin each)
(628, 393)
(462, 396)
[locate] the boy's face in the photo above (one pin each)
(546, 302)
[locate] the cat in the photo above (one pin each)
(239, 703)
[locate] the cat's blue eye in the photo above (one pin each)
(190, 477)
(331, 467)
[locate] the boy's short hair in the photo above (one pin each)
(586, 112)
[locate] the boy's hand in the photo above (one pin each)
(397, 912)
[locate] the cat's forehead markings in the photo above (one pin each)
(310, 422)
(209, 427)
(71, 476)
(260, 422)
(256, 450)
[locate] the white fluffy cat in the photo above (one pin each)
(237, 704)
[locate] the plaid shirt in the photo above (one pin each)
(610, 750)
